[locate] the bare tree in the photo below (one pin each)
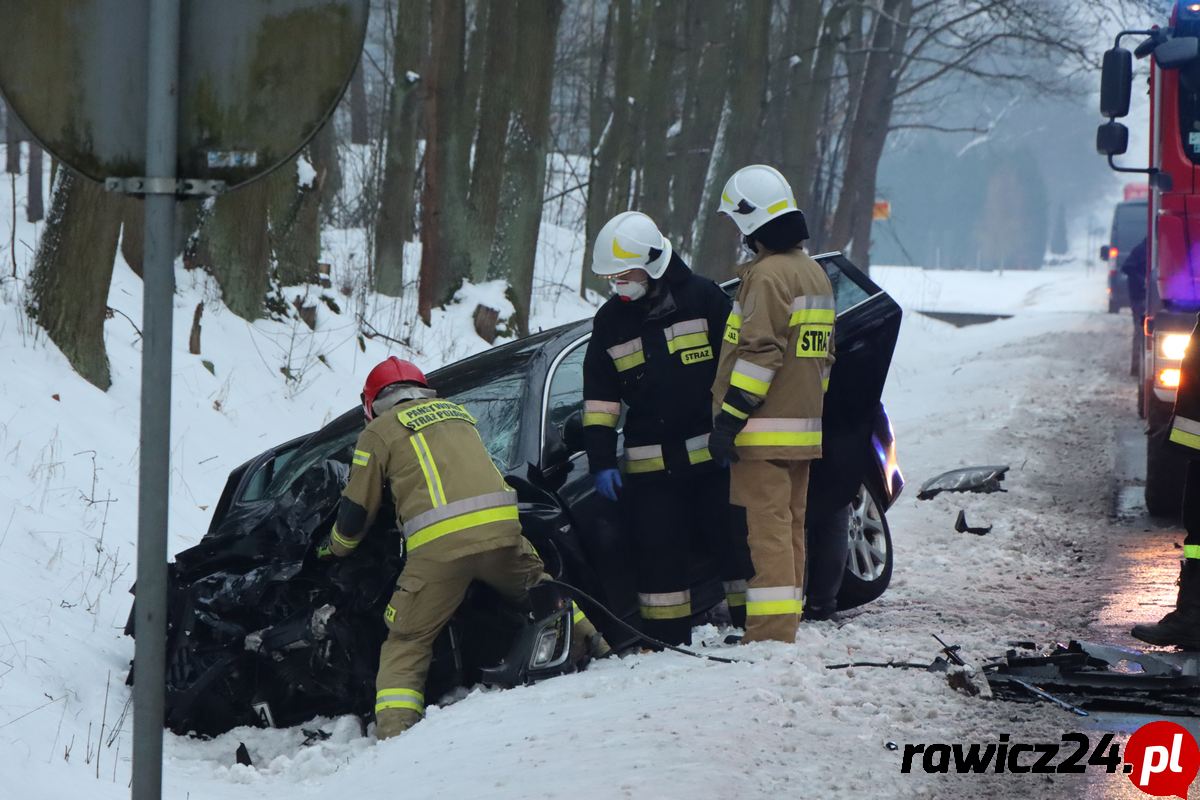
(445, 258)
(72, 270)
(394, 226)
(515, 249)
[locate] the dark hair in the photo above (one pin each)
(780, 234)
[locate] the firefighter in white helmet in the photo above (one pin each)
(654, 348)
(769, 391)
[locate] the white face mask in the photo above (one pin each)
(629, 291)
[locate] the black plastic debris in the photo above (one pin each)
(980, 480)
(242, 756)
(961, 525)
(1083, 677)
(312, 736)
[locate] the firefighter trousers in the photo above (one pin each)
(427, 594)
(673, 519)
(1191, 510)
(775, 496)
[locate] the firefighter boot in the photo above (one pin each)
(1180, 627)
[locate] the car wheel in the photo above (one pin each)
(1165, 467)
(869, 558)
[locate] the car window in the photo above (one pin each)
(496, 406)
(566, 388)
(289, 467)
(846, 292)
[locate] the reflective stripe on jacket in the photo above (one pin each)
(451, 500)
(779, 347)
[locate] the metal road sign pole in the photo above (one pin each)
(162, 117)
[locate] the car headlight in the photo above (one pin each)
(1172, 346)
(546, 647)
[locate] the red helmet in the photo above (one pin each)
(385, 373)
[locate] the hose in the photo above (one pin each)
(580, 594)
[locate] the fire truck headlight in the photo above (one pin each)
(1168, 379)
(1172, 346)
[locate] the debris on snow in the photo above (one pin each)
(961, 525)
(980, 480)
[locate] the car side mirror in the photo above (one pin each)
(1116, 82)
(1174, 53)
(1104, 252)
(1112, 139)
(572, 432)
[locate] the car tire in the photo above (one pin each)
(1165, 467)
(869, 558)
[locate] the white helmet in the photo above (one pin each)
(755, 195)
(627, 241)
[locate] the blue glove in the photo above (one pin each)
(608, 483)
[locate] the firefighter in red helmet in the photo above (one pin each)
(459, 521)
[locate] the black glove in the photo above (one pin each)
(720, 442)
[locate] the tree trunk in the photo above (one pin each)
(515, 248)
(599, 126)
(445, 256)
(707, 29)
(13, 133)
(852, 220)
(394, 226)
(359, 133)
(814, 41)
(501, 92)
(659, 112)
(716, 240)
(606, 154)
(236, 250)
(325, 150)
(35, 208)
(294, 211)
(133, 228)
(72, 271)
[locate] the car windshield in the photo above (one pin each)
(495, 403)
(496, 406)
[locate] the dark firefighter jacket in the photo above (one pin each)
(1185, 427)
(658, 355)
(451, 501)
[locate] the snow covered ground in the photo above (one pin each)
(1037, 391)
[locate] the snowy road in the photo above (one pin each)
(1044, 391)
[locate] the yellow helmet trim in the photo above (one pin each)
(780, 206)
(620, 252)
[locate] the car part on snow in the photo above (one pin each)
(242, 756)
(1090, 677)
(541, 648)
(961, 525)
(981, 480)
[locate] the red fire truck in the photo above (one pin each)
(1173, 222)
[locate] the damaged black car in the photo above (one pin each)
(261, 633)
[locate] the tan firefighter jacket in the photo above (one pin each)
(451, 500)
(779, 348)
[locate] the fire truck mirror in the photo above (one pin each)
(1116, 82)
(1104, 248)
(1173, 53)
(1112, 139)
